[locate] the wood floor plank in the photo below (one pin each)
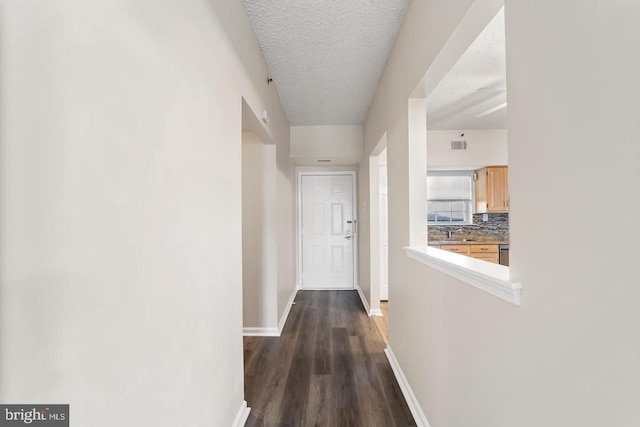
(382, 322)
(328, 368)
(320, 410)
(397, 405)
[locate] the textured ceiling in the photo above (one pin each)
(326, 57)
(475, 84)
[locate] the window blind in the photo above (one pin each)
(449, 187)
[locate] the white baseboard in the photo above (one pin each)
(242, 416)
(415, 408)
(364, 301)
(370, 311)
(271, 332)
(260, 332)
(287, 309)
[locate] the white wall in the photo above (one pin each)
(484, 148)
(240, 34)
(341, 144)
(259, 233)
(120, 201)
(566, 357)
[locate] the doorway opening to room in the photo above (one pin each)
(382, 321)
(379, 235)
(260, 281)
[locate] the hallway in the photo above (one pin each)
(328, 368)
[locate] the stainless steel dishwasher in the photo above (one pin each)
(504, 255)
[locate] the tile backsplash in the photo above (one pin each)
(497, 226)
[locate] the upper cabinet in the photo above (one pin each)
(492, 189)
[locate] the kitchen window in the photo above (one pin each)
(449, 197)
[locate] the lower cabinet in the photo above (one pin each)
(459, 249)
(484, 252)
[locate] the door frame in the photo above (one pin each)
(380, 223)
(374, 223)
(299, 175)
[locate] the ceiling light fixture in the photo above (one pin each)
(492, 110)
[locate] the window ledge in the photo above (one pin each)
(491, 278)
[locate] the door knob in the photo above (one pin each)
(347, 237)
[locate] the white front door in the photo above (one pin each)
(327, 231)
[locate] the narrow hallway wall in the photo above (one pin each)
(564, 357)
(120, 201)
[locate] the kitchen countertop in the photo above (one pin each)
(462, 241)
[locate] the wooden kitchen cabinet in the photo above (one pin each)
(485, 252)
(488, 253)
(459, 249)
(492, 189)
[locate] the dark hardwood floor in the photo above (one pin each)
(327, 368)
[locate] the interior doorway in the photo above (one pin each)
(382, 320)
(327, 226)
(384, 227)
(259, 228)
(259, 238)
(379, 236)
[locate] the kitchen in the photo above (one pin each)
(481, 233)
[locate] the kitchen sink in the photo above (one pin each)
(457, 240)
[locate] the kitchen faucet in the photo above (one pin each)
(450, 233)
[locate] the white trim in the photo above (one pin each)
(489, 277)
(299, 175)
(285, 314)
(374, 221)
(272, 332)
(260, 332)
(364, 301)
(370, 311)
(414, 406)
(242, 415)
